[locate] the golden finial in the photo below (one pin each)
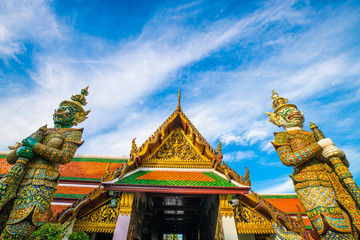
(133, 146)
(218, 149)
(81, 97)
(178, 106)
(278, 101)
(77, 101)
(313, 126)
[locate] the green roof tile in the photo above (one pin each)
(218, 181)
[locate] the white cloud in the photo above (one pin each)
(239, 156)
(226, 102)
(134, 70)
(280, 185)
(231, 138)
(308, 65)
(23, 21)
(353, 156)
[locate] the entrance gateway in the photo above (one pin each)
(175, 186)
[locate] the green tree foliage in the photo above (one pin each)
(49, 231)
(79, 236)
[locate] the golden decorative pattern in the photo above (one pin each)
(104, 219)
(70, 213)
(176, 144)
(176, 151)
(126, 203)
(279, 217)
(250, 222)
(176, 176)
(232, 175)
(225, 209)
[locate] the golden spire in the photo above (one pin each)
(218, 149)
(278, 101)
(80, 98)
(77, 101)
(178, 108)
(133, 147)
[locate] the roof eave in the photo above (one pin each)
(175, 189)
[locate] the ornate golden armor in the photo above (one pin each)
(36, 170)
(313, 180)
(331, 209)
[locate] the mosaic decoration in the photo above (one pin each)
(70, 213)
(249, 221)
(278, 217)
(255, 215)
(103, 219)
(176, 176)
(11, 181)
(30, 185)
(177, 150)
(286, 235)
(317, 180)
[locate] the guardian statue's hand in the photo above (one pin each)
(325, 142)
(29, 142)
(332, 151)
(25, 152)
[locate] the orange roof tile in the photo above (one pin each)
(176, 176)
(58, 208)
(86, 169)
(287, 205)
(4, 166)
(74, 190)
(75, 169)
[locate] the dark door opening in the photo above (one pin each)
(180, 216)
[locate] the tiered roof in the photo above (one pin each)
(176, 157)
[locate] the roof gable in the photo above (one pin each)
(176, 121)
(176, 144)
(176, 150)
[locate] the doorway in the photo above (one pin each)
(180, 216)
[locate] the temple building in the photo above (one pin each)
(175, 185)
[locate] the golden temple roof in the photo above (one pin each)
(176, 144)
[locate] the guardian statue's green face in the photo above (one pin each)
(64, 116)
(291, 117)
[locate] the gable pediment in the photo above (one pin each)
(177, 150)
(176, 144)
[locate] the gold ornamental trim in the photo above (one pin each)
(175, 164)
(225, 209)
(91, 227)
(188, 149)
(126, 202)
(253, 228)
(103, 219)
(249, 221)
(176, 150)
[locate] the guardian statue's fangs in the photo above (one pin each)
(27, 190)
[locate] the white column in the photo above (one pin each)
(69, 229)
(229, 227)
(122, 227)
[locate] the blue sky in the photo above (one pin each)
(225, 56)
